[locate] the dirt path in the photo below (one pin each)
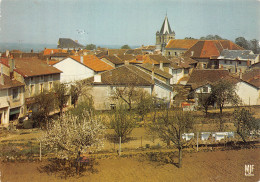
(202, 166)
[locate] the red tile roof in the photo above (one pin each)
(52, 51)
(252, 77)
(210, 48)
(93, 62)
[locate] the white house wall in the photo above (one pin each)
(177, 75)
(73, 70)
(248, 93)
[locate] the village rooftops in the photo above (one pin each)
(209, 48)
(252, 76)
(28, 67)
(181, 44)
(182, 62)
(92, 62)
(156, 70)
(124, 75)
(206, 76)
(8, 82)
(114, 59)
(237, 55)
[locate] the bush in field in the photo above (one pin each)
(72, 135)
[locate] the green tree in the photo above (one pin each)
(189, 38)
(91, 47)
(61, 92)
(212, 37)
(126, 47)
(254, 46)
(242, 42)
(224, 92)
(245, 123)
(171, 125)
(44, 104)
(204, 101)
(122, 122)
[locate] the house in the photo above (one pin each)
(11, 99)
(177, 47)
(69, 44)
(181, 69)
(80, 67)
(236, 61)
(248, 88)
(34, 73)
(57, 54)
(134, 52)
(104, 85)
(207, 51)
(147, 49)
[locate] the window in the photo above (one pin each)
(50, 77)
(205, 89)
(41, 87)
(186, 71)
(169, 53)
(41, 78)
(239, 62)
(175, 53)
(31, 80)
(204, 66)
(230, 62)
(50, 85)
(225, 61)
(15, 93)
(32, 90)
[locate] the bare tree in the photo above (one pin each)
(129, 94)
(145, 104)
(73, 136)
(171, 125)
(79, 89)
(122, 122)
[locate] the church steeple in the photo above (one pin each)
(165, 34)
(166, 28)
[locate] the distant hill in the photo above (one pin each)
(27, 47)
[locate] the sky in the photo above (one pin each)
(119, 22)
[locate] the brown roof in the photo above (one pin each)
(127, 57)
(31, 67)
(210, 48)
(93, 62)
(158, 71)
(202, 77)
(182, 62)
(101, 54)
(252, 77)
(149, 47)
(124, 75)
(10, 83)
(134, 51)
(181, 43)
(116, 51)
(114, 59)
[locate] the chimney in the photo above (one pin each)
(51, 51)
(31, 50)
(81, 59)
(240, 75)
(2, 76)
(126, 62)
(192, 53)
(11, 69)
(48, 62)
(97, 78)
(161, 66)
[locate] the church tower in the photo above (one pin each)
(165, 34)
